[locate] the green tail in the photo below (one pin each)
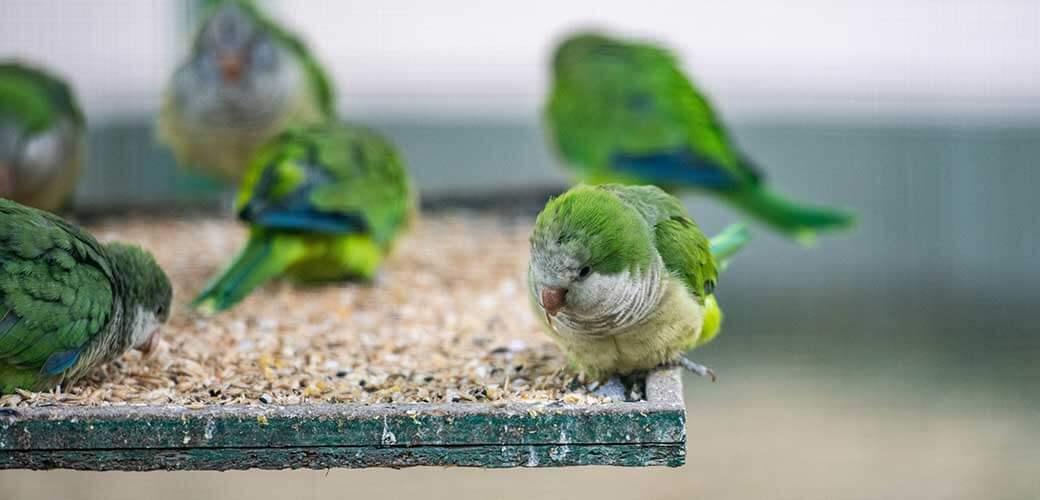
(797, 221)
(728, 242)
(264, 257)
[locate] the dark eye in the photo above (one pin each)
(584, 272)
(161, 311)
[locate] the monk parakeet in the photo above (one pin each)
(69, 303)
(246, 80)
(622, 111)
(41, 137)
(624, 280)
(322, 203)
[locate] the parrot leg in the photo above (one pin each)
(613, 389)
(697, 368)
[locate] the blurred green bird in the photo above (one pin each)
(323, 203)
(69, 303)
(41, 137)
(245, 80)
(622, 111)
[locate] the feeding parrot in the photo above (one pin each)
(41, 137)
(246, 80)
(624, 280)
(622, 111)
(69, 303)
(322, 203)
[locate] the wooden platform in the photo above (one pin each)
(137, 438)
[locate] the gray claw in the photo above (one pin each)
(697, 368)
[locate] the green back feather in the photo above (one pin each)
(56, 291)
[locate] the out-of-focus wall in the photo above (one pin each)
(934, 60)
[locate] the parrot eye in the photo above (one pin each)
(584, 272)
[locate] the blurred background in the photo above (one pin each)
(896, 361)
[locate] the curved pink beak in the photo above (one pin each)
(553, 299)
(151, 346)
(231, 66)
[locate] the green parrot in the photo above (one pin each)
(624, 279)
(323, 203)
(622, 111)
(41, 137)
(69, 303)
(246, 80)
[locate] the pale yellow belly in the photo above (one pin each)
(668, 332)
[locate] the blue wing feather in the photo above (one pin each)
(313, 221)
(60, 361)
(673, 167)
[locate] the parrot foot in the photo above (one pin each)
(612, 389)
(697, 368)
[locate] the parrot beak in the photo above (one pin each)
(231, 66)
(553, 299)
(151, 346)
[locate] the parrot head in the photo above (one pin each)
(237, 70)
(147, 294)
(591, 256)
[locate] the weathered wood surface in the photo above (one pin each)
(650, 432)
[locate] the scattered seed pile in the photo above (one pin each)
(447, 320)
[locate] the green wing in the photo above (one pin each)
(685, 250)
(669, 114)
(55, 290)
(334, 178)
(34, 99)
(626, 112)
(687, 254)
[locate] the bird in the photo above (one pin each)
(624, 111)
(624, 280)
(42, 141)
(245, 80)
(69, 303)
(322, 203)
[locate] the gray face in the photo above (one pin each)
(237, 74)
(594, 303)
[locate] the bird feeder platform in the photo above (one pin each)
(440, 361)
(321, 436)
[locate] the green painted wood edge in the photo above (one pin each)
(660, 420)
(489, 456)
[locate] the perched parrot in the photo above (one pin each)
(68, 303)
(323, 203)
(41, 137)
(246, 80)
(624, 112)
(624, 279)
